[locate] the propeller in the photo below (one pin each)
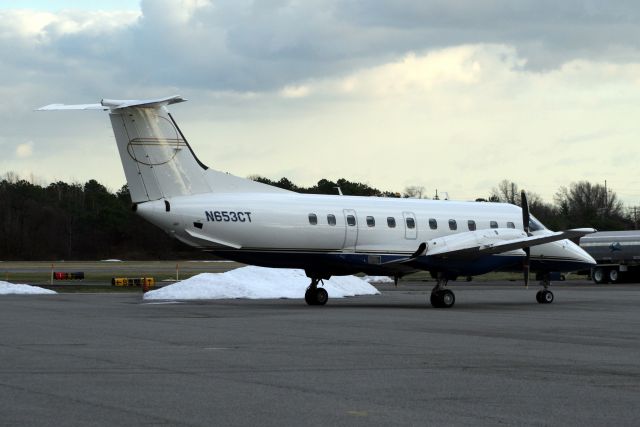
(525, 227)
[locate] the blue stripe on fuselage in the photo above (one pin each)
(337, 263)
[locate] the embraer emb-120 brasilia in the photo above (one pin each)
(258, 224)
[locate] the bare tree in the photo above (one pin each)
(414, 191)
(509, 192)
(587, 204)
(506, 192)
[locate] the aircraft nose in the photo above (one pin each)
(582, 256)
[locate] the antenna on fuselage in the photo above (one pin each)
(339, 190)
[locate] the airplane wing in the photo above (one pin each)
(472, 245)
(501, 246)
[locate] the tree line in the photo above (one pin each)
(581, 204)
(64, 221)
(88, 222)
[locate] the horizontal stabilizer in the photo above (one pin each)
(114, 104)
(54, 107)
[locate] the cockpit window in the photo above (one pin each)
(534, 224)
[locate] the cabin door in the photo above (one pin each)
(410, 225)
(351, 229)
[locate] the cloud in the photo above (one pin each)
(295, 91)
(393, 93)
(259, 46)
(24, 151)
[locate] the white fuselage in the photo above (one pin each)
(236, 223)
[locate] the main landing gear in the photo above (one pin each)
(545, 296)
(315, 295)
(441, 297)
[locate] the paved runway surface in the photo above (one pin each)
(497, 357)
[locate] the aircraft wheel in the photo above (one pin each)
(544, 297)
(321, 296)
(309, 297)
(443, 299)
(435, 300)
(614, 275)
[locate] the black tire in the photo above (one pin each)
(435, 300)
(443, 299)
(539, 297)
(547, 297)
(309, 297)
(447, 298)
(597, 275)
(321, 296)
(614, 275)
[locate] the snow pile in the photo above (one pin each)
(257, 283)
(378, 279)
(7, 288)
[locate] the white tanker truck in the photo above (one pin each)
(617, 254)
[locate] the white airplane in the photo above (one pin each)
(258, 224)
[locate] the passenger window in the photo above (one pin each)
(331, 219)
(411, 223)
(493, 224)
(472, 225)
(453, 225)
(371, 221)
(433, 224)
(351, 220)
(391, 222)
(313, 219)
(510, 225)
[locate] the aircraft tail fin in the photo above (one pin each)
(157, 160)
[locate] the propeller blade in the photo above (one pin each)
(525, 226)
(525, 212)
(525, 266)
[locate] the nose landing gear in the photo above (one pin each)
(545, 296)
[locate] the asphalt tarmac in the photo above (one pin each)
(496, 357)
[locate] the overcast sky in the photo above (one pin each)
(453, 95)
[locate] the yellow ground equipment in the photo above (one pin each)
(146, 282)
